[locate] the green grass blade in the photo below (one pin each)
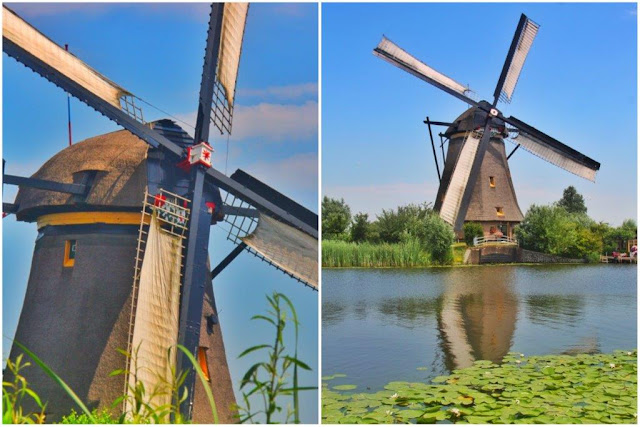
(296, 402)
(58, 380)
(207, 389)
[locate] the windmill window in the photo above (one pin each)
(499, 211)
(492, 182)
(69, 253)
(202, 360)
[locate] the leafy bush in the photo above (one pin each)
(471, 230)
(395, 225)
(437, 237)
(99, 417)
(553, 230)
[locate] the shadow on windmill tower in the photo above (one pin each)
(121, 259)
(475, 184)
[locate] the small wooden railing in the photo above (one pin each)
(485, 240)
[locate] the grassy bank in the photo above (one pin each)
(344, 254)
(592, 389)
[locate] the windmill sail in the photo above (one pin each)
(291, 249)
(18, 34)
(460, 178)
(233, 24)
(286, 247)
(553, 151)
(234, 20)
(397, 56)
(520, 46)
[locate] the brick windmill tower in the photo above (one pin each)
(121, 259)
(475, 184)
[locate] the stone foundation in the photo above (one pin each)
(512, 254)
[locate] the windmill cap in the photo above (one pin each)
(472, 119)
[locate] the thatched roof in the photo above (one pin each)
(119, 157)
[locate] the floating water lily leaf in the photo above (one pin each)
(345, 387)
(538, 389)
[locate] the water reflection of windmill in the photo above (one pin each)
(139, 203)
(475, 184)
(476, 321)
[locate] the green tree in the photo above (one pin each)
(553, 230)
(437, 237)
(572, 201)
(360, 227)
(336, 216)
(615, 239)
(471, 230)
(630, 227)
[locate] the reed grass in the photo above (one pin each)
(344, 254)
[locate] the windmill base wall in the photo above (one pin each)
(513, 254)
(76, 318)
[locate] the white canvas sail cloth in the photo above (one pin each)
(525, 41)
(16, 30)
(155, 330)
(289, 248)
(394, 54)
(554, 156)
(460, 178)
(234, 19)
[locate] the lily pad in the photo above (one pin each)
(345, 387)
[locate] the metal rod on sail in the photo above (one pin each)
(433, 147)
(66, 47)
(514, 150)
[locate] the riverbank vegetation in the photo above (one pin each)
(564, 229)
(409, 236)
(415, 236)
(561, 389)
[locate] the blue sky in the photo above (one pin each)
(155, 51)
(578, 85)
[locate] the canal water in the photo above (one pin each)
(383, 325)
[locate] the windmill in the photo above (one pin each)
(476, 184)
(121, 257)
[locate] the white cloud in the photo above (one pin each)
(298, 173)
(270, 122)
(276, 122)
(282, 92)
(372, 199)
